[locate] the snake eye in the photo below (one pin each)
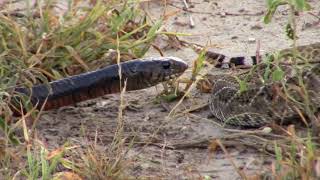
(166, 65)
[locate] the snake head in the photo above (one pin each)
(151, 71)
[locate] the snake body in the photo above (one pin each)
(136, 74)
(265, 102)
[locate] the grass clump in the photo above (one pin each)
(299, 160)
(95, 163)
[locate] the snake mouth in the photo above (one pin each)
(172, 76)
(178, 67)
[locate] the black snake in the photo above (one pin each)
(138, 74)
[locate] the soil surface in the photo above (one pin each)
(232, 27)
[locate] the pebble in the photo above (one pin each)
(251, 40)
(256, 27)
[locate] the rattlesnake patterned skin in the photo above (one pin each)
(309, 52)
(267, 102)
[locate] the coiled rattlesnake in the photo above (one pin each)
(265, 101)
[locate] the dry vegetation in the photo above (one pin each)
(38, 46)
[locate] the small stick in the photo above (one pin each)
(192, 24)
(314, 15)
(244, 14)
(186, 4)
(258, 52)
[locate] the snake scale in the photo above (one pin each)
(261, 102)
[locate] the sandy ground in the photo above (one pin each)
(232, 27)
